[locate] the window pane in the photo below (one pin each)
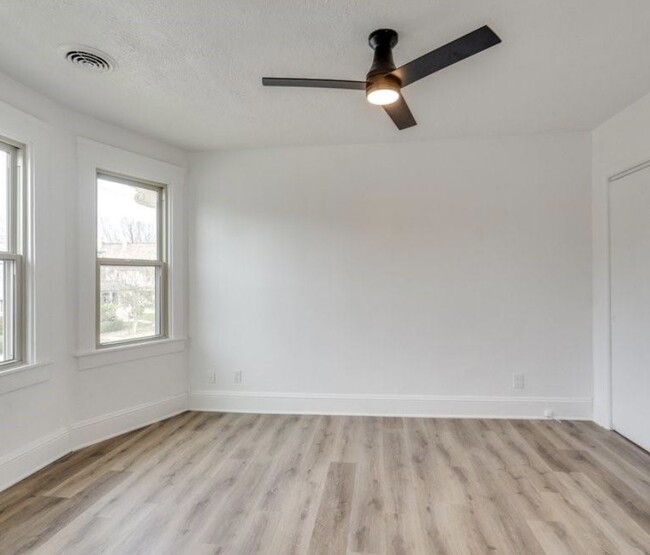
(7, 296)
(128, 301)
(127, 217)
(5, 177)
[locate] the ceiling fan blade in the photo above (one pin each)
(400, 113)
(319, 83)
(440, 58)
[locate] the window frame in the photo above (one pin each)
(160, 263)
(15, 253)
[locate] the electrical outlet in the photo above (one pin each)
(212, 377)
(518, 381)
(548, 413)
(236, 378)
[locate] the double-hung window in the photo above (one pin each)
(12, 325)
(131, 260)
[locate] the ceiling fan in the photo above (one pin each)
(384, 82)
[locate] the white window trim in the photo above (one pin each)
(108, 356)
(39, 323)
(96, 157)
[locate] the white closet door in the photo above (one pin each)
(630, 291)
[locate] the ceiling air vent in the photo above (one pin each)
(89, 59)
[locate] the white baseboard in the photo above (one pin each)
(110, 425)
(573, 408)
(21, 463)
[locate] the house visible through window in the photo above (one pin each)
(11, 255)
(131, 260)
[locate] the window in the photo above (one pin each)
(131, 260)
(11, 255)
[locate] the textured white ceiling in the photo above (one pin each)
(190, 70)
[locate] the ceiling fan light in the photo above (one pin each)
(382, 97)
(382, 90)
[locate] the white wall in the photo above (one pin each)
(394, 278)
(67, 407)
(618, 145)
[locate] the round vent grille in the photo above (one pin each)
(88, 58)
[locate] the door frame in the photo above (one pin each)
(610, 368)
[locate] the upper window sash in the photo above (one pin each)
(161, 219)
(12, 198)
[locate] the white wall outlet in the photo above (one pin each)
(518, 381)
(548, 413)
(236, 378)
(212, 377)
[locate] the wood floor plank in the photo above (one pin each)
(205, 483)
(275, 499)
(293, 535)
(588, 500)
(403, 526)
(554, 539)
(29, 533)
(333, 520)
(636, 506)
(367, 519)
(228, 516)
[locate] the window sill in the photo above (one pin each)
(109, 356)
(19, 377)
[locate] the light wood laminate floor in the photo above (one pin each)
(207, 483)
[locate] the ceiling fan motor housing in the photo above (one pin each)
(382, 42)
